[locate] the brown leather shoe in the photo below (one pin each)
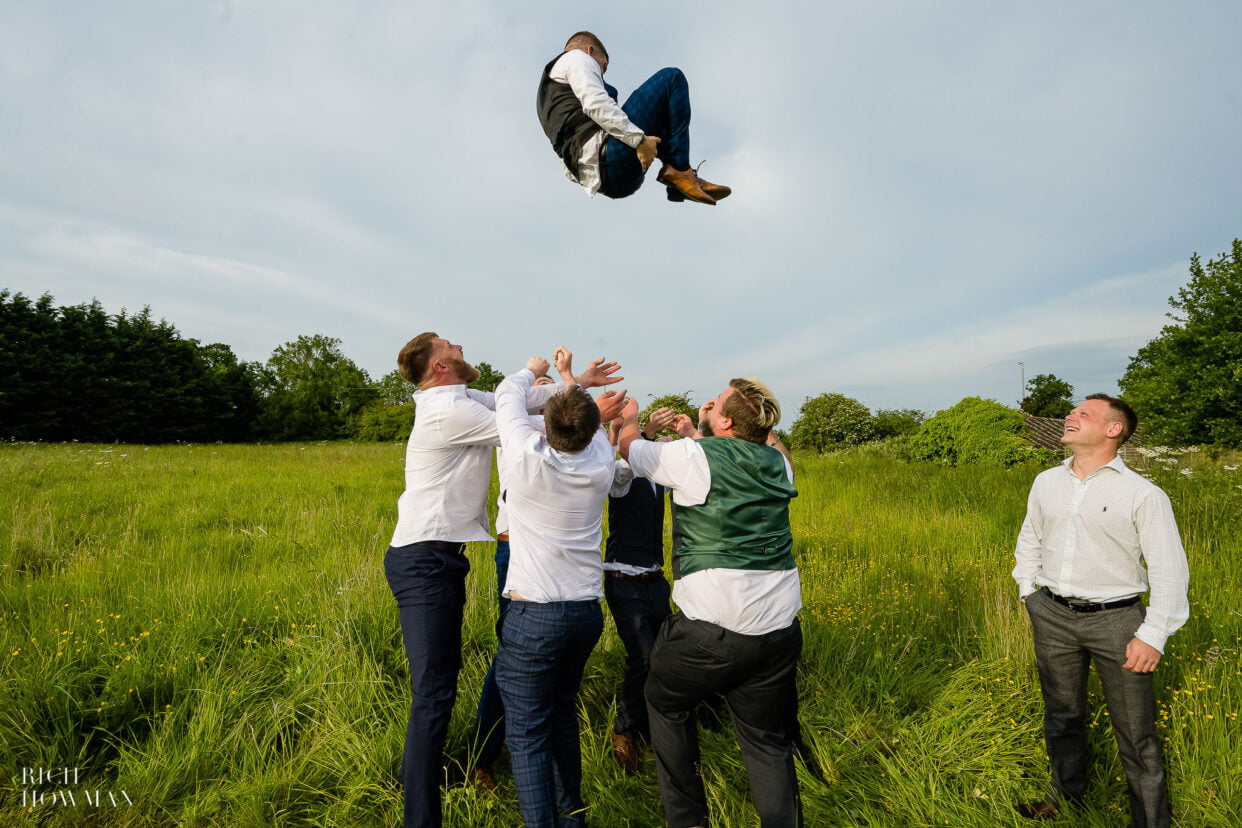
(1037, 810)
(683, 184)
(625, 752)
(716, 191)
(482, 777)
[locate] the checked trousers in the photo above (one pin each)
(1066, 643)
(543, 651)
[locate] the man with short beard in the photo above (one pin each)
(738, 594)
(444, 506)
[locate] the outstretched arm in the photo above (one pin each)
(629, 431)
(512, 419)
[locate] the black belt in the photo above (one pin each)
(644, 578)
(1087, 606)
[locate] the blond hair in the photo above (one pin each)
(753, 408)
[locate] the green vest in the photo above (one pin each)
(744, 523)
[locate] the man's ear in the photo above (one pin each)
(1114, 429)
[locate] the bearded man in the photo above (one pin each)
(447, 471)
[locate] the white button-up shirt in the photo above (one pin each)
(583, 74)
(448, 464)
(747, 601)
(555, 504)
(1089, 539)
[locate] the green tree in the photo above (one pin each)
(1048, 396)
(896, 422)
(1186, 384)
(976, 431)
(311, 391)
(831, 421)
(488, 379)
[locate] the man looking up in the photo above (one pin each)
(447, 472)
(555, 485)
(1090, 524)
(607, 148)
(738, 593)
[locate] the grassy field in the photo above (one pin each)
(203, 635)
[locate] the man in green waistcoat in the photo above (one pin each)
(737, 590)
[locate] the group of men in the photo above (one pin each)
(1091, 525)
(736, 633)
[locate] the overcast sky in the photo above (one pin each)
(925, 193)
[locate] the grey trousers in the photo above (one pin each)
(1066, 642)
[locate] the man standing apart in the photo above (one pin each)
(607, 148)
(556, 483)
(1090, 524)
(447, 471)
(738, 592)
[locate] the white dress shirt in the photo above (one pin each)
(448, 464)
(747, 601)
(555, 504)
(1088, 539)
(583, 74)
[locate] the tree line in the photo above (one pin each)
(79, 373)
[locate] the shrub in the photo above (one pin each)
(831, 421)
(977, 431)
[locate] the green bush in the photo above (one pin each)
(830, 422)
(978, 432)
(380, 422)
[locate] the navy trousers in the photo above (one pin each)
(660, 107)
(757, 675)
(1066, 643)
(429, 582)
(489, 718)
(543, 651)
(638, 609)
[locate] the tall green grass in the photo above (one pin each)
(208, 629)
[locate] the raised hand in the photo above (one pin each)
(610, 405)
(599, 373)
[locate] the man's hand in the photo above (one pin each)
(1141, 657)
(564, 361)
(537, 366)
(647, 151)
(629, 413)
(684, 427)
(599, 373)
(659, 420)
(610, 404)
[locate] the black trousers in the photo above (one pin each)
(1066, 643)
(428, 580)
(757, 674)
(638, 608)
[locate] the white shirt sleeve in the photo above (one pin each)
(1167, 572)
(515, 424)
(680, 465)
(622, 477)
(584, 77)
(1029, 552)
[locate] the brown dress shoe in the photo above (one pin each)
(625, 752)
(1037, 810)
(716, 191)
(483, 778)
(683, 184)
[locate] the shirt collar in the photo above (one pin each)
(1116, 464)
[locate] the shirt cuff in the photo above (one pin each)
(633, 139)
(1148, 634)
(1026, 587)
